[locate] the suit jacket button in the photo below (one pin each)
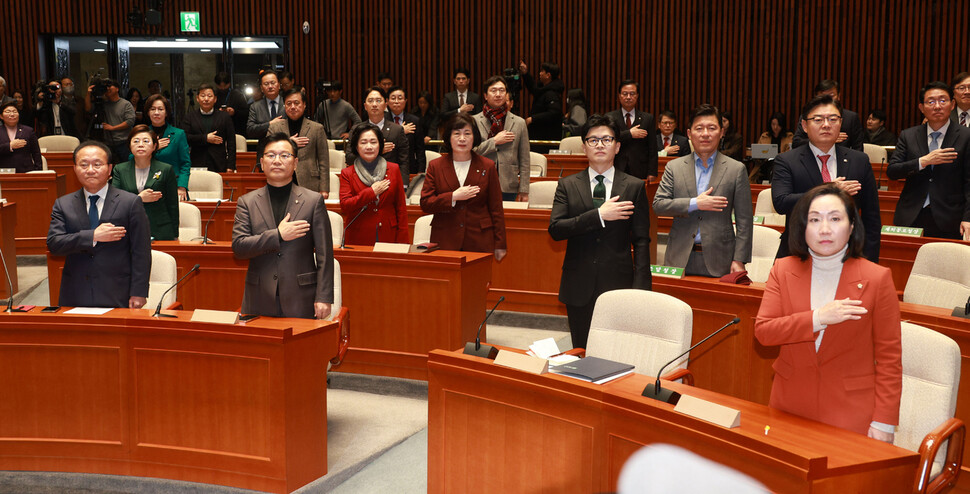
(274, 276)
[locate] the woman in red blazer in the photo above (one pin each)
(835, 316)
(372, 185)
(468, 215)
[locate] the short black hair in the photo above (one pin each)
(221, 78)
(205, 86)
(457, 121)
(295, 90)
(155, 80)
(934, 85)
(277, 137)
(820, 100)
(384, 75)
(551, 67)
(379, 89)
(138, 129)
(336, 86)
(669, 114)
(627, 82)
(265, 73)
(878, 114)
(286, 74)
(359, 130)
(959, 78)
(705, 110)
(491, 82)
(797, 244)
(98, 144)
(598, 120)
(826, 85)
(462, 70)
(396, 88)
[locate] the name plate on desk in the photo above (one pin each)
(522, 362)
(8, 170)
(710, 412)
(903, 231)
(216, 316)
(390, 247)
(666, 271)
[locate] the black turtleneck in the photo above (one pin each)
(278, 196)
(295, 125)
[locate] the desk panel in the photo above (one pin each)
(8, 225)
(63, 164)
(36, 193)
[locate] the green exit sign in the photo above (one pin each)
(190, 22)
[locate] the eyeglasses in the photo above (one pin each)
(596, 141)
(819, 119)
(963, 88)
(374, 100)
(282, 156)
(937, 102)
(397, 98)
(97, 165)
(497, 90)
(628, 94)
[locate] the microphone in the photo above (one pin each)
(343, 237)
(562, 165)
(477, 349)
(205, 232)
(668, 395)
(255, 165)
(232, 190)
(9, 286)
(158, 309)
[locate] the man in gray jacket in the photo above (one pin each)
(505, 140)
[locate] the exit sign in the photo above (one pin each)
(190, 22)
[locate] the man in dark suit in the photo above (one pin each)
(601, 212)
(545, 117)
(852, 133)
(267, 109)
(397, 104)
(396, 148)
(961, 96)
(638, 150)
(211, 136)
(284, 231)
(819, 161)
(669, 142)
(54, 117)
(461, 99)
(934, 158)
(104, 233)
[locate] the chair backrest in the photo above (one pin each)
(241, 143)
(417, 183)
(43, 163)
(337, 160)
(764, 205)
(336, 227)
(422, 229)
(537, 165)
(190, 222)
(940, 276)
(163, 275)
(877, 154)
(331, 144)
(764, 246)
(338, 292)
(620, 332)
(541, 194)
(334, 185)
(931, 378)
(205, 184)
(59, 144)
(572, 144)
(430, 156)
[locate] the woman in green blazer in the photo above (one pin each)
(152, 180)
(173, 145)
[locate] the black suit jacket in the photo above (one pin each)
(796, 171)
(25, 159)
(216, 157)
(416, 158)
(45, 121)
(637, 157)
(597, 257)
(947, 185)
(675, 139)
(109, 273)
(449, 104)
(851, 125)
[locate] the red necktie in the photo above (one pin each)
(826, 177)
(666, 141)
(963, 119)
(629, 120)
(397, 120)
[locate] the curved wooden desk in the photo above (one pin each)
(128, 394)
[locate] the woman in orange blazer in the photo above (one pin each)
(835, 316)
(372, 185)
(463, 192)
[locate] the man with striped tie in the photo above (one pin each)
(600, 212)
(961, 95)
(269, 108)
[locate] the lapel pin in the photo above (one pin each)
(860, 286)
(298, 201)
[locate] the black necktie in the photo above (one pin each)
(93, 212)
(599, 192)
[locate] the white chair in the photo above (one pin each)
(336, 227)
(337, 160)
(331, 144)
(931, 380)
(572, 145)
(541, 194)
(190, 222)
(648, 472)
(163, 275)
(877, 154)
(764, 246)
(340, 314)
(417, 183)
(430, 156)
(537, 165)
(940, 276)
(43, 163)
(59, 144)
(241, 144)
(763, 205)
(619, 331)
(334, 185)
(422, 229)
(205, 184)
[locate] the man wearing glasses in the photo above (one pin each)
(284, 231)
(601, 213)
(821, 160)
(105, 235)
(961, 95)
(638, 155)
(851, 134)
(268, 109)
(934, 158)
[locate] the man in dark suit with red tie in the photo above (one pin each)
(461, 99)
(821, 160)
(851, 133)
(638, 148)
(934, 158)
(601, 213)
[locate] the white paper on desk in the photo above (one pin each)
(331, 201)
(89, 311)
(562, 359)
(545, 348)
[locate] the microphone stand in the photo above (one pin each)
(9, 286)
(343, 235)
(477, 348)
(205, 233)
(656, 392)
(158, 309)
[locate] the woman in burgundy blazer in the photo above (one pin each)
(22, 152)
(469, 215)
(853, 377)
(374, 185)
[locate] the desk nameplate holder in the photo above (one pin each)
(215, 316)
(709, 412)
(522, 362)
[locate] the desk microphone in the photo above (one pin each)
(232, 190)
(343, 235)
(158, 309)
(668, 395)
(205, 232)
(562, 165)
(963, 312)
(882, 169)
(255, 166)
(9, 286)
(476, 348)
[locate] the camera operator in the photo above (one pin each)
(54, 117)
(115, 115)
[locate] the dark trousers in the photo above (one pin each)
(925, 221)
(579, 317)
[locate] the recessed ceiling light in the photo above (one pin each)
(181, 39)
(205, 50)
(99, 49)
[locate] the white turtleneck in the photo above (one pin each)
(826, 271)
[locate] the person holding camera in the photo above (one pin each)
(54, 117)
(116, 114)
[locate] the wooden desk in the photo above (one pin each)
(220, 228)
(8, 224)
(494, 429)
(36, 193)
(575, 163)
(128, 394)
(242, 182)
(63, 164)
